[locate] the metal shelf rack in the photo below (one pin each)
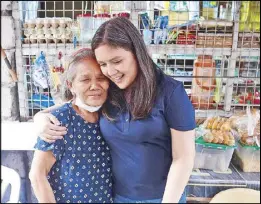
(230, 82)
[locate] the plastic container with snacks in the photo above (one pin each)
(86, 30)
(102, 7)
(247, 157)
(216, 157)
(100, 19)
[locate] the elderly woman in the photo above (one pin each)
(76, 169)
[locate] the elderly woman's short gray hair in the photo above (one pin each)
(70, 71)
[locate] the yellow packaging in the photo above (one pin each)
(176, 17)
(249, 19)
(255, 16)
(210, 13)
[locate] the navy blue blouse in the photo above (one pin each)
(82, 171)
(141, 149)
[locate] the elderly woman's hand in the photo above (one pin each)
(48, 127)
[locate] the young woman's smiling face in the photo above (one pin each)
(118, 64)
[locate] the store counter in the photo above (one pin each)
(205, 184)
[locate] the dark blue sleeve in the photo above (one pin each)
(58, 147)
(179, 113)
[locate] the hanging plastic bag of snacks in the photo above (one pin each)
(40, 72)
(57, 70)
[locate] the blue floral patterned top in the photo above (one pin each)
(82, 171)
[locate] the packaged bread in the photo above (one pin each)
(226, 126)
(217, 123)
(208, 137)
(248, 126)
(210, 122)
(231, 139)
(246, 121)
(219, 137)
(257, 133)
(250, 141)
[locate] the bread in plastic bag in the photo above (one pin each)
(248, 126)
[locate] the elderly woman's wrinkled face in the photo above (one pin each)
(89, 84)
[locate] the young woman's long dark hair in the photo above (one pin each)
(120, 32)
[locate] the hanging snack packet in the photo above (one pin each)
(40, 72)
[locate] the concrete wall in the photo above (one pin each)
(9, 99)
(17, 160)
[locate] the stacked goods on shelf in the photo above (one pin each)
(209, 40)
(114, 8)
(49, 30)
(249, 40)
(186, 38)
(246, 95)
(214, 33)
(184, 34)
(247, 154)
(204, 82)
(247, 85)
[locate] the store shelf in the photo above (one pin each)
(29, 49)
(250, 52)
(210, 113)
(182, 79)
(244, 105)
(240, 81)
(51, 49)
(187, 50)
(248, 34)
(171, 56)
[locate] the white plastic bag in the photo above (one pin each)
(40, 72)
